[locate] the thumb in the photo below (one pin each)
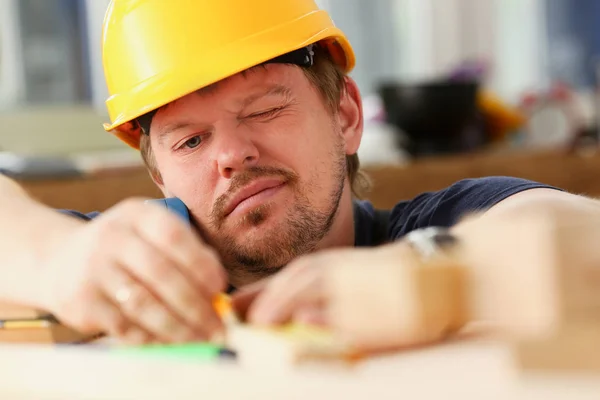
(242, 300)
(313, 314)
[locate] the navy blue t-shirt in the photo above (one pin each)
(442, 208)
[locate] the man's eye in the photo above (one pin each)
(193, 142)
(267, 113)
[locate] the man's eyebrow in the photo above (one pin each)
(170, 128)
(279, 90)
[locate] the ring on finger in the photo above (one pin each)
(123, 294)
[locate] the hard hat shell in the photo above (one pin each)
(156, 51)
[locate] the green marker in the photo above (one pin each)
(192, 351)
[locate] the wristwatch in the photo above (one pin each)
(431, 241)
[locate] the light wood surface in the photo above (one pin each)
(461, 370)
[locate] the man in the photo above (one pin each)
(244, 111)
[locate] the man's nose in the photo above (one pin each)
(235, 151)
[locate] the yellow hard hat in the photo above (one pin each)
(156, 51)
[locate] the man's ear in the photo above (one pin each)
(351, 116)
(158, 181)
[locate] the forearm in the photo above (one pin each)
(515, 253)
(552, 202)
(28, 231)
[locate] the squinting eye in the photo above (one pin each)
(267, 113)
(193, 142)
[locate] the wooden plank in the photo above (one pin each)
(537, 278)
(53, 333)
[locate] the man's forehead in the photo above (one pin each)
(258, 77)
(253, 82)
(246, 87)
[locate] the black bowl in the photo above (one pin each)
(438, 117)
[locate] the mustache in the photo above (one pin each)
(243, 179)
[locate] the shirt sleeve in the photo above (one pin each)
(446, 207)
(80, 215)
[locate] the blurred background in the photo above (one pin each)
(452, 89)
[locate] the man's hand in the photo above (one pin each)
(372, 299)
(296, 294)
(308, 288)
(139, 274)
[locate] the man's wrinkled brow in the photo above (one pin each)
(274, 90)
(171, 128)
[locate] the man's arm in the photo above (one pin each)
(505, 268)
(137, 272)
(547, 200)
(28, 231)
(446, 207)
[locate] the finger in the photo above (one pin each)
(199, 262)
(138, 304)
(138, 337)
(244, 297)
(111, 320)
(291, 289)
(314, 314)
(166, 281)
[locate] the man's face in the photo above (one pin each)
(259, 161)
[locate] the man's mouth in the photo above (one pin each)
(253, 194)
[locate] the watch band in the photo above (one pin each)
(430, 241)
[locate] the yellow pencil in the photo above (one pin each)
(222, 304)
(25, 324)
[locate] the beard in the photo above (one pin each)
(299, 232)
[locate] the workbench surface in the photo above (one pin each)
(474, 369)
